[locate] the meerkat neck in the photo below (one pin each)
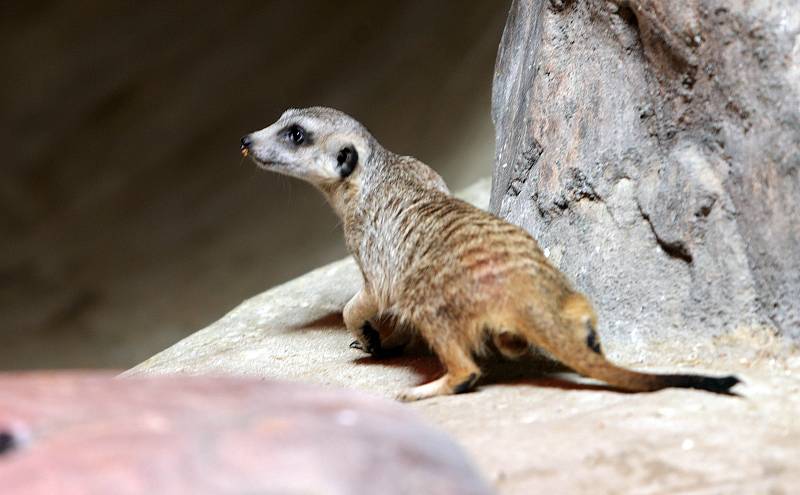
(344, 196)
(339, 196)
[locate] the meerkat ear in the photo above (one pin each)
(346, 159)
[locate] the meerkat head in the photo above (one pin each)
(319, 145)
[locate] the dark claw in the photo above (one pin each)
(466, 385)
(372, 339)
(372, 343)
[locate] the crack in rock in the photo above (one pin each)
(579, 187)
(523, 167)
(674, 249)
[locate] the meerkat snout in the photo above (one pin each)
(246, 142)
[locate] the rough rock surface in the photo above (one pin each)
(531, 432)
(91, 434)
(653, 148)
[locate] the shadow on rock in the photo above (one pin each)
(330, 320)
(427, 367)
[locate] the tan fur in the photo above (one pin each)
(456, 274)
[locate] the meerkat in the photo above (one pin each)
(459, 276)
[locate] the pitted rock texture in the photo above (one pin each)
(85, 434)
(653, 149)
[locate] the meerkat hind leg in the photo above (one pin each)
(461, 375)
(510, 345)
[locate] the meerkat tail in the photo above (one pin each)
(575, 343)
(598, 367)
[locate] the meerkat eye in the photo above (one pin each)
(296, 134)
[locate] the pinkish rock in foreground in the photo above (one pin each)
(80, 433)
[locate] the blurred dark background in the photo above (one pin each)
(129, 220)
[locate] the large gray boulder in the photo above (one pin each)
(653, 150)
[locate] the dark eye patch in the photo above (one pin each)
(346, 161)
(297, 135)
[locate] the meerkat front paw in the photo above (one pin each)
(369, 340)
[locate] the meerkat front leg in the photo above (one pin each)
(357, 314)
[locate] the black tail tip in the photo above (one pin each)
(719, 385)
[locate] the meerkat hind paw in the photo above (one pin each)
(438, 387)
(412, 394)
(425, 391)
